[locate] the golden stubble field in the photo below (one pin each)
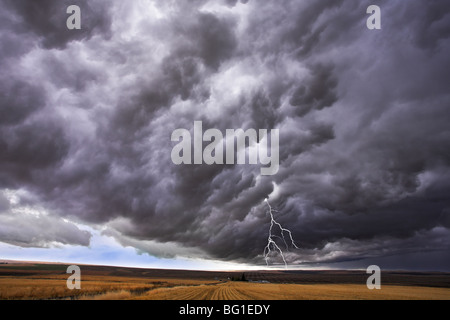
(119, 288)
(265, 291)
(92, 287)
(108, 283)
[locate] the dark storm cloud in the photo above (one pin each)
(317, 94)
(363, 119)
(208, 37)
(33, 146)
(19, 99)
(27, 141)
(47, 20)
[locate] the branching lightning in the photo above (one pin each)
(271, 244)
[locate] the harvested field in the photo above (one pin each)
(257, 291)
(48, 281)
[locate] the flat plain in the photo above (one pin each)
(37, 281)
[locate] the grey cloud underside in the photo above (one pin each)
(86, 119)
(27, 231)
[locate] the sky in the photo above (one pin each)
(86, 118)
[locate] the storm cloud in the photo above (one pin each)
(86, 118)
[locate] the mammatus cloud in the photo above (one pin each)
(87, 116)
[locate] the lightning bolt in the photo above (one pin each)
(271, 244)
